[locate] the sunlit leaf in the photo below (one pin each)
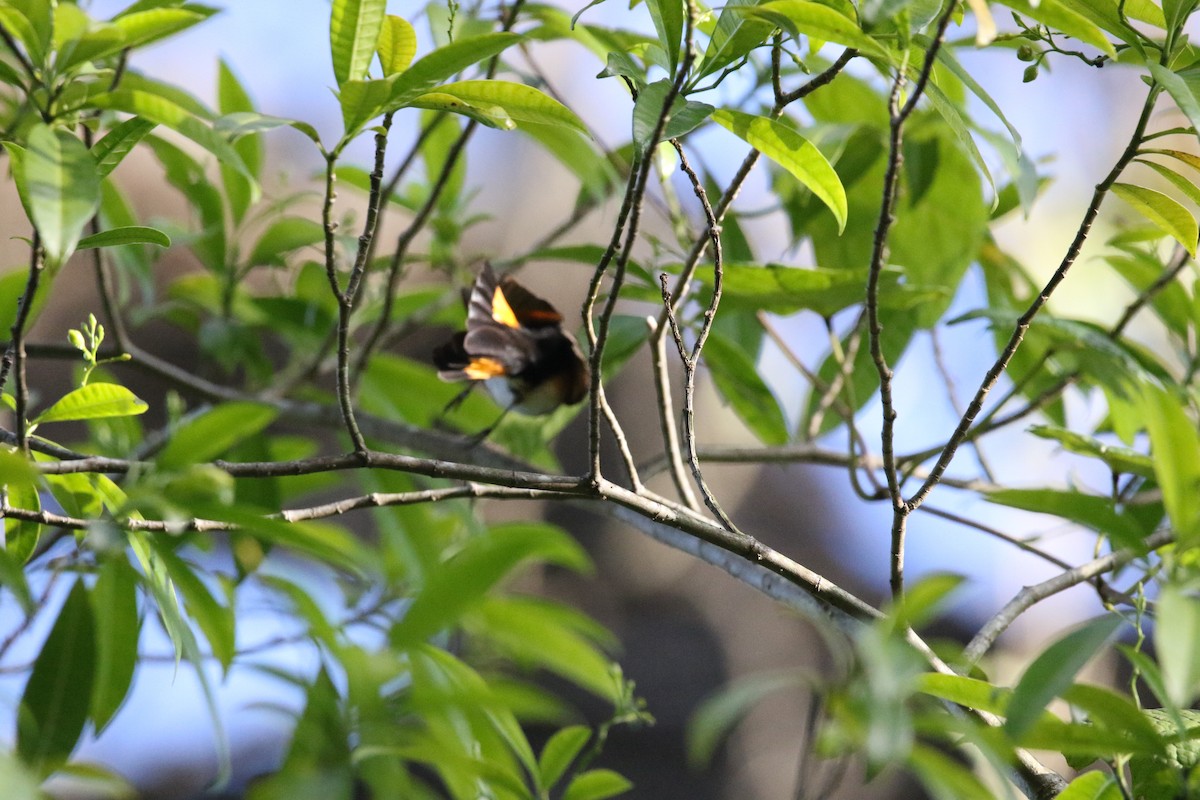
(817, 21)
(560, 750)
(597, 784)
(500, 104)
(354, 27)
(94, 401)
(397, 45)
(59, 185)
(1165, 212)
(118, 142)
(793, 152)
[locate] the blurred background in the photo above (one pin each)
(687, 629)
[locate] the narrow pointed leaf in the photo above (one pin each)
(474, 570)
(1180, 91)
(118, 142)
(518, 102)
(55, 703)
(816, 21)
(130, 234)
(597, 784)
(734, 36)
(1165, 212)
(444, 63)
(212, 433)
(1053, 671)
(560, 751)
(793, 152)
(169, 114)
(114, 607)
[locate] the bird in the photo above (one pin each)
(514, 344)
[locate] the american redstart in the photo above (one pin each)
(514, 343)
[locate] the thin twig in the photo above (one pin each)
(14, 357)
(898, 114)
(1002, 361)
(1031, 595)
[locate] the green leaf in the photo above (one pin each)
(1175, 448)
(816, 21)
(1186, 187)
(118, 142)
(1124, 460)
(215, 620)
(1053, 671)
(1092, 786)
(318, 763)
(114, 607)
(682, 118)
(55, 703)
(734, 36)
(597, 784)
(21, 537)
(16, 468)
(538, 633)
(483, 561)
(1092, 511)
(362, 101)
(1162, 210)
(1177, 640)
(233, 99)
(397, 45)
(1111, 710)
(577, 153)
(282, 237)
(943, 775)
(1057, 16)
(783, 289)
(739, 381)
(94, 401)
(444, 62)
(163, 111)
(560, 751)
(212, 433)
(12, 288)
(33, 25)
(129, 234)
(1180, 90)
(793, 152)
(129, 32)
(964, 691)
(18, 781)
(667, 16)
(716, 717)
(354, 27)
(500, 104)
(321, 541)
(59, 185)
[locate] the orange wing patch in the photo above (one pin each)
(502, 312)
(480, 369)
